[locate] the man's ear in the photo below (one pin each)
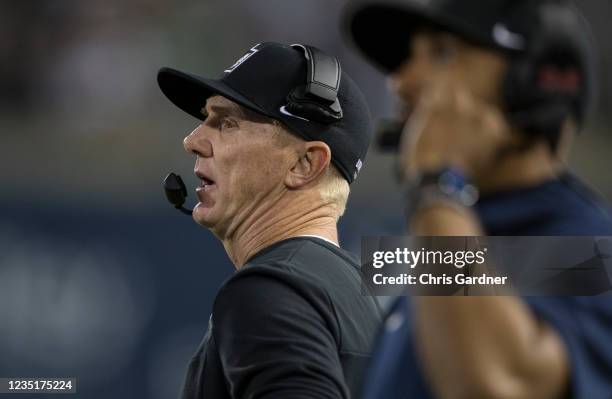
(313, 159)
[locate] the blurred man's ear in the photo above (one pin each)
(312, 162)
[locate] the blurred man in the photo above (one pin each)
(493, 92)
(284, 133)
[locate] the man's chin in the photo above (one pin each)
(202, 215)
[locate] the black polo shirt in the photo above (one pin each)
(292, 323)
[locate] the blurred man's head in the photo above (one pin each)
(531, 58)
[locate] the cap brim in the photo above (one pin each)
(189, 92)
(382, 31)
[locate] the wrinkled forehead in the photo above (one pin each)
(220, 105)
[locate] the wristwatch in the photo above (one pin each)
(447, 185)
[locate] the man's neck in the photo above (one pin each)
(527, 169)
(288, 217)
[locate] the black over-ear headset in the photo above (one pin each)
(317, 100)
(555, 77)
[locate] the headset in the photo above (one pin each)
(316, 100)
(554, 77)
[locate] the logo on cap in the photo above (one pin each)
(242, 59)
(504, 37)
(358, 167)
(284, 111)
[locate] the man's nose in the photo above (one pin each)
(197, 143)
(406, 80)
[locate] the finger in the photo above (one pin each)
(409, 141)
(493, 121)
(436, 93)
(464, 100)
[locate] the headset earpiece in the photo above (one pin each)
(317, 99)
(554, 78)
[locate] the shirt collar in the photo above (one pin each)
(322, 238)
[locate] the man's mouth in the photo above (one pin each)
(207, 184)
(205, 179)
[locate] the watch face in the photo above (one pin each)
(448, 186)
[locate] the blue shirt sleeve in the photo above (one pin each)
(585, 325)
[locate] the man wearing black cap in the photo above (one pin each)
(493, 92)
(284, 133)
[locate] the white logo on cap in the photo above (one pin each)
(283, 110)
(506, 38)
(358, 167)
(242, 59)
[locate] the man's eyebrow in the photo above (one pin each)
(219, 109)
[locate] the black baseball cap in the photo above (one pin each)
(261, 80)
(382, 29)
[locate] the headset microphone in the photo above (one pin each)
(176, 192)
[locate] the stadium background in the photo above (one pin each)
(100, 278)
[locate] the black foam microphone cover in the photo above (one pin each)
(175, 189)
